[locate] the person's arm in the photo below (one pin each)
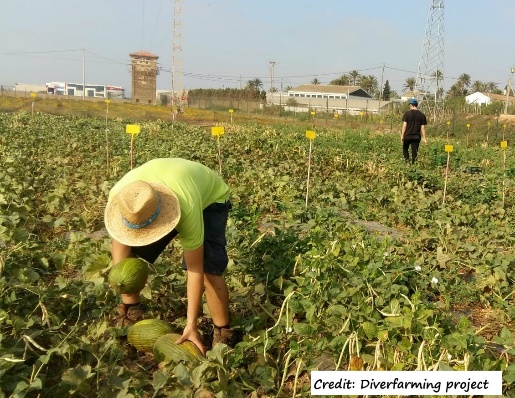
(403, 130)
(423, 131)
(195, 289)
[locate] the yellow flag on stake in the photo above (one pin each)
(133, 129)
(217, 130)
(311, 134)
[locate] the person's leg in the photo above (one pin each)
(217, 297)
(405, 149)
(215, 263)
(414, 150)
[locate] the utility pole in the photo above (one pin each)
(380, 92)
(272, 66)
(508, 88)
(83, 74)
(177, 55)
(281, 97)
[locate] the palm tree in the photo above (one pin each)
(409, 83)
(438, 74)
(478, 85)
(255, 84)
(491, 87)
(464, 79)
(354, 76)
(315, 81)
(457, 90)
(461, 87)
(368, 83)
(343, 80)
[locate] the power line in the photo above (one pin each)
(235, 79)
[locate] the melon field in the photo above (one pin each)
(377, 272)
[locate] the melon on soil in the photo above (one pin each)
(143, 334)
(166, 350)
(129, 276)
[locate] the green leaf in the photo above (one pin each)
(304, 329)
(159, 379)
(76, 378)
(201, 373)
(182, 373)
(370, 329)
(60, 221)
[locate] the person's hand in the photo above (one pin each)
(425, 141)
(191, 333)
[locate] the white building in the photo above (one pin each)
(478, 98)
(92, 90)
(329, 98)
(29, 88)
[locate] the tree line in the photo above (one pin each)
(254, 88)
(253, 91)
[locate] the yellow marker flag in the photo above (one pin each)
(133, 129)
(217, 130)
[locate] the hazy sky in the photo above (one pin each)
(225, 43)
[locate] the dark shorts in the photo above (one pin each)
(215, 253)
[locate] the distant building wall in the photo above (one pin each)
(29, 88)
(338, 103)
(144, 77)
(77, 90)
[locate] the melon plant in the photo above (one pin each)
(143, 334)
(167, 350)
(128, 276)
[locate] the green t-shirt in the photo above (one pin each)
(195, 185)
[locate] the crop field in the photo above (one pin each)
(378, 271)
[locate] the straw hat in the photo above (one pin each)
(142, 213)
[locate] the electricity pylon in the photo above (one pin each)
(430, 72)
(177, 88)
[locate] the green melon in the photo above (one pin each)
(129, 276)
(166, 350)
(143, 334)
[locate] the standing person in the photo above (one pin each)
(413, 130)
(151, 205)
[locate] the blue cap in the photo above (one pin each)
(413, 101)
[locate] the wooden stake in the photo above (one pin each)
(311, 136)
(448, 149)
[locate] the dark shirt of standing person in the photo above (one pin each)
(413, 130)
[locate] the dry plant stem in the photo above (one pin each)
(443, 354)
(421, 363)
(297, 371)
(341, 354)
(288, 297)
(285, 373)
